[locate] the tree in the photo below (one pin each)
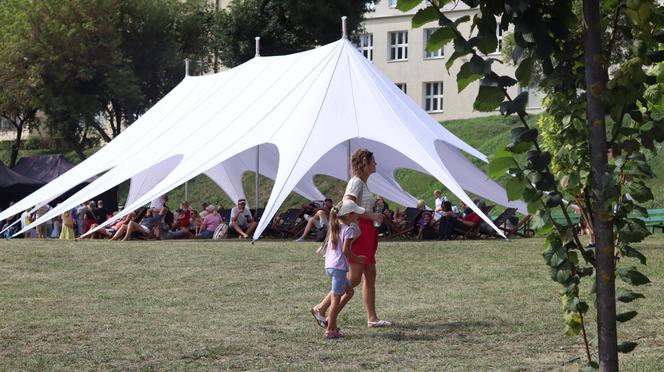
(602, 83)
(18, 84)
(284, 26)
(97, 65)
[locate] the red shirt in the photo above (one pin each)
(185, 217)
(472, 217)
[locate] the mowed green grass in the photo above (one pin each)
(470, 305)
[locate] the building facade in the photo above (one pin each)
(399, 51)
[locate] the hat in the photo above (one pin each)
(210, 208)
(349, 206)
(240, 201)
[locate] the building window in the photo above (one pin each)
(366, 46)
(393, 4)
(427, 35)
(398, 45)
(433, 96)
(499, 37)
(403, 87)
(5, 125)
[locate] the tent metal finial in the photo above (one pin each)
(258, 46)
(186, 67)
(344, 32)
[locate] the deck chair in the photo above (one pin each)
(289, 223)
(409, 228)
(500, 221)
(478, 230)
(521, 229)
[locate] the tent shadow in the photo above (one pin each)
(432, 331)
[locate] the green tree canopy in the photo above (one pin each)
(284, 26)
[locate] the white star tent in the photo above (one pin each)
(300, 115)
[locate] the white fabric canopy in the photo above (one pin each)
(302, 111)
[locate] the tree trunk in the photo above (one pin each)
(595, 72)
(16, 146)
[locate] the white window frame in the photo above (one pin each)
(392, 4)
(403, 87)
(433, 97)
(399, 46)
(365, 45)
(499, 38)
(431, 55)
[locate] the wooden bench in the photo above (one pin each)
(655, 219)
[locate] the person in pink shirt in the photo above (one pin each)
(340, 238)
(210, 222)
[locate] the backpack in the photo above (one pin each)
(220, 232)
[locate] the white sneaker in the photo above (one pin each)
(379, 324)
(299, 240)
(318, 317)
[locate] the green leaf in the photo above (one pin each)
(514, 188)
(466, 76)
(517, 105)
(623, 317)
(538, 160)
(499, 166)
(553, 199)
(628, 251)
(590, 367)
(424, 16)
(524, 72)
(461, 20)
(488, 98)
(632, 276)
(406, 5)
(453, 57)
(639, 191)
(626, 347)
(531, 195)
(440, 38)
(626, 295)
(634, 230)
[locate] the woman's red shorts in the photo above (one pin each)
(367, 243)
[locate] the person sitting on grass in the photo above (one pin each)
(340, 239)
(241, 220)
(146, 228)
(425, 225)
(319, 219)
(210, 222)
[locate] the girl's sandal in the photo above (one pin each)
(333, 334)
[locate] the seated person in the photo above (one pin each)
(210, 223)
(184, 217)
(109, 232)
(426, 227)
(449, 223)
(165, 233)
(319, 219)
(241, 220)
(146, 228)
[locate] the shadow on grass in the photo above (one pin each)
(433, 331)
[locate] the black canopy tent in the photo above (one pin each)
(15, 186)
(46, 168)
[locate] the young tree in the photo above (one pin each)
(602, 86)
(285, 26)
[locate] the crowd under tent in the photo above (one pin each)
(14, 186)
(292, 117)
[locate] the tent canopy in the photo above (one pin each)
(303, 113)
(14, 186)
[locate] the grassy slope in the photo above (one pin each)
(485, 134)
(463, 305)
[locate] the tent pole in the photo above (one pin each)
(350, 166)
(258, 156)
(186, 67)
(258, 46)
(186, 191)
(344, 33)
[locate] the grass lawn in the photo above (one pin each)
(472, 305)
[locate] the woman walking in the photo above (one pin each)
(363, 165)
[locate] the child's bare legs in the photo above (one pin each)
(355, 277)
(335, 301)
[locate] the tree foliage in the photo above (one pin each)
(97, 62)
(284, 26)
(601, 70)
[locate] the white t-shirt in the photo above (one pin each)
(242, 217)
(357, 188)
(158, 202)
